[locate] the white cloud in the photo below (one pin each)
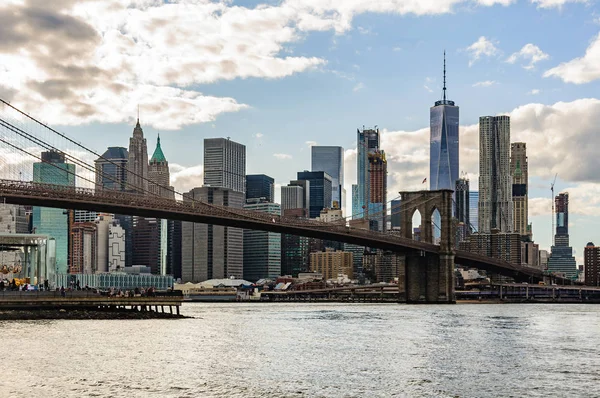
(482, 47)
(550, 131)
(555, 3)
(580, 70)
(259, 135)
(486, 83)
(184, 178)
(358, 87)
(535, 91)
(310, 143)
(396, 49)
(529, 52)
(282, 156)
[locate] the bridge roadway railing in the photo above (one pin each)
(260, 220)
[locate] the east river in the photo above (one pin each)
(311, 350)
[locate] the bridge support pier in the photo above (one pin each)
(430, 279)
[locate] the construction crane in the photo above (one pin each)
(552, 190)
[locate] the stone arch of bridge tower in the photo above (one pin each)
(427, 202)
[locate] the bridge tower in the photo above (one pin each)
(429, 276)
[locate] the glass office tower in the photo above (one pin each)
(54, 222)
(330, 159)
(444, 142)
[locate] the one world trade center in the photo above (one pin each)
(443, 155)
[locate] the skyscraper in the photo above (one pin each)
(83, 250)
(320, 191)
(495, 182)
(519, 173)
(158, 174)
(296, 195)
(111, 169)
(474, 211)
(367, 141)
(111, 174)
(262, 249)
(395, 217)
(137, 164)
(54, 222)
(159, 184)
(444, 142)
(461, 208)
(561, 259)
(224, 164)
(212, 251)
(260, 186)
(377, 190)
(330, 159)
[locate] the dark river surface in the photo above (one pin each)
(312, 350)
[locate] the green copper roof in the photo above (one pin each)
(158, 156)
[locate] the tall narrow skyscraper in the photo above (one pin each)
(330, 159)
(495, 182)
(561, 259)
(444, 142)
(159, 175)
(224, 164)
(137, 165)
(367, 141)
(519, 173)
(377, 190)
(461, 209)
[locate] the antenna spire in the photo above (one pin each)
(444, 75)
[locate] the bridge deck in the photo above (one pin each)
(48, 195)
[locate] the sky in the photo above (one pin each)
(280, 76)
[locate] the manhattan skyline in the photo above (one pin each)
(320, 79)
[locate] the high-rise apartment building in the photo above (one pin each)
(260, 186)
(519, 172)
(444, 142)
(54, 222)
(377, 207)
(332, 263)
(262, 249)
(212, 251)
(367, 141)
(319, 192)
(83, 248)
(591, 264)
(474, 210)
(495, 182)
(224, 164)
(561, 259)
(330, 159)
(137, 163)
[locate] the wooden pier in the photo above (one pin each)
(87, 300)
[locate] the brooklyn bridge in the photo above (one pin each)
(429, 267)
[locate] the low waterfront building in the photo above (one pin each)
(115, 280)
(30, 256)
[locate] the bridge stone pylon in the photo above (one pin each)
(429, 276)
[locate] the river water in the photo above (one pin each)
(311, 350)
